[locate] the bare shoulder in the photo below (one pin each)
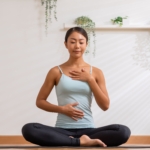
(52, 74)
(54, 71)
(97, 73)
(97, 70)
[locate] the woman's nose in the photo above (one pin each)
(77, 44)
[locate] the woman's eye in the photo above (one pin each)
(74, 42)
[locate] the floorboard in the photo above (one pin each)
(35, 147)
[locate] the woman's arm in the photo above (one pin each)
(96, 82)
(45, 91)
(99, 90)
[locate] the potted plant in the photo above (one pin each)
(49, 6)
(118, 20)
(87, 24)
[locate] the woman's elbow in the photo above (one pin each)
(37, 103)
(106, 107)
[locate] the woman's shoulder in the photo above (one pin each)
(54, 71)
(97, 72)
(96, 69)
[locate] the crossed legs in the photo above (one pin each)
(111, 135)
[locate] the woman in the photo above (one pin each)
(76, 82)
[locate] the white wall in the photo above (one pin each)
(26, 55)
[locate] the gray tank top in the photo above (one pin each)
(71, 91)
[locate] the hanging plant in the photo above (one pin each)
(49, 6)
(87, 24)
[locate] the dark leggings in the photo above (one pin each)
(111, 135)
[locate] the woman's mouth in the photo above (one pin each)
(76, 51)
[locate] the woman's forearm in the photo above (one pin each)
(45, 105)
(101, 99)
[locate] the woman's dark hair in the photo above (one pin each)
(76, 29)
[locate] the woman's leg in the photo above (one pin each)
(48, 136)
(111, 135)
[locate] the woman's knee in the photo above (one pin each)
(27, 130)
(125, 133)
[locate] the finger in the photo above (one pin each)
(74, 118)
(78, 116)
(74, 76)
(74, 73)
(78, 111)
(74, 104)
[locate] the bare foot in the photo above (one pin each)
(86, 141)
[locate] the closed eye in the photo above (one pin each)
(74, 42)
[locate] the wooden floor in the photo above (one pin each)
(34, 147)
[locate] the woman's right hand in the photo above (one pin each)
(72, 112)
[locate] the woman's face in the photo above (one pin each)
(76, 44)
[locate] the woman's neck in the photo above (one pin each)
(72, 62)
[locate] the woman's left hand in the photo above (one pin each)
(80, 75)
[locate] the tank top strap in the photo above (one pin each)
(91, 70)
(60, 69)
